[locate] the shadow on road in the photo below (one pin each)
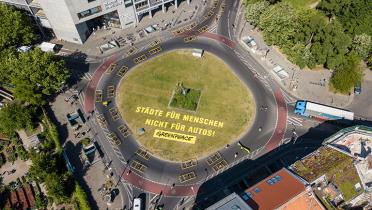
(73, 152)
(249, 172)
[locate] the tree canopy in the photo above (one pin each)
(348, 75)
(14, 117)
(49, 168)
(16, 28)
(355, 15)
(329, 35)
(35, 74)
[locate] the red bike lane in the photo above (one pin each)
(91, 89)
(159, 188)
(281, 123)
(219, 38)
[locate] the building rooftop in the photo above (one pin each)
(356, 142)
(275, 191)
(231, 202)
(304, 201)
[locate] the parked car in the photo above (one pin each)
(358, 89)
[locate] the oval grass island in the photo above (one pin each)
(180, 107)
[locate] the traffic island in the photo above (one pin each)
(187, 107)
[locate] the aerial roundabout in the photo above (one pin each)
(180, 107)
(175, 120)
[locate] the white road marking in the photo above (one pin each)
(295, 121)
(88, 76)
(288, 99)
(213, 28)
(228, 24)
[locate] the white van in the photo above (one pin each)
(137, 202)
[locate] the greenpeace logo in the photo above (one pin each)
(174, 136)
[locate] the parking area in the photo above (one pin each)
(189, 164)
(187, 177)
(138, 166)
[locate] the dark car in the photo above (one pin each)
(358, 89)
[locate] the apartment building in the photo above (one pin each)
(75, 20)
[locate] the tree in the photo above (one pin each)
(14, 116)
(369, 62)
(43, 163)
(16, 28)
(58, 186)
(279, 24)
(301, 55)
(348, 75)
(330, 45)
(355, 15)
(5, 70)
(362, 45)
(254, 10)
(36, 74)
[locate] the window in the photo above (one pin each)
(89, 12)
(257, 190)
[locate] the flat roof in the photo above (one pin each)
(304, 201)
(230, 202)
(274, 191)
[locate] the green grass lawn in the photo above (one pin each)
(337, 166)
(222, 97)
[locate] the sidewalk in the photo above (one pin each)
(167, 22)
(303, 84)
(92, 177)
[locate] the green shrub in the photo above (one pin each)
(52, 135)
(80, 198)
(185, 98)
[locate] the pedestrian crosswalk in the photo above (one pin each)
(213, 28)
(288, 99)
(296, 121)
(87, 76)
(77, 75)
(263, 78)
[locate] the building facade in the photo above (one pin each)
(75, 20)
